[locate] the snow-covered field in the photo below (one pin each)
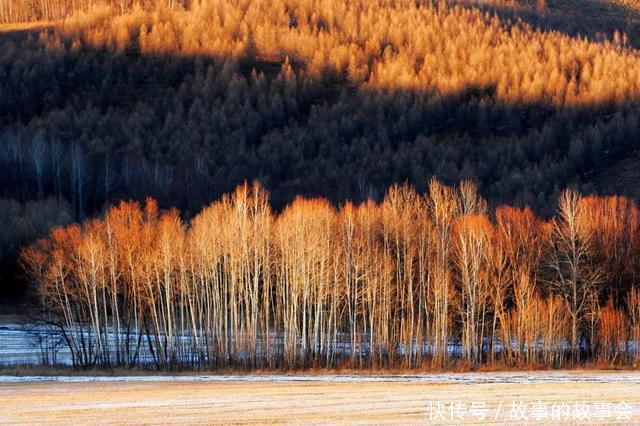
(588, 397)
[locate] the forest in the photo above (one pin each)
(311, 98)
(183, 101)
(121, 121)
(432, 280)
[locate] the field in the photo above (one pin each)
(488, 398)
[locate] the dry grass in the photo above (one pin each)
(284, 402)
(26, 369)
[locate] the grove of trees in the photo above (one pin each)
(20, 11)
(415, 280)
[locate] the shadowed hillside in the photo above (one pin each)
(598, 20)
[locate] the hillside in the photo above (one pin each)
(286, 93)
(312, 98)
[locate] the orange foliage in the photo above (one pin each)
(437, 49)
(366, 285)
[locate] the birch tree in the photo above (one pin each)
(572, 275)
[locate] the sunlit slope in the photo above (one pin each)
(434, 50)
(335, 98)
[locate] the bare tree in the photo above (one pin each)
(573, 276)
(37, 154)
(472, 250)
(443, 210)
(369, 285)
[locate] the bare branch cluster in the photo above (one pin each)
(417, 279)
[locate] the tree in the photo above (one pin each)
(520, 240)
(572, 274)
(37, 153)
(472, 250)
(443, 210)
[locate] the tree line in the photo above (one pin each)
(416, 280)
(18, 11)
(614, 19)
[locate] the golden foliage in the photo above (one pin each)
(434, 48)
(384, 284)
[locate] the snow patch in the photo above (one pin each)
(464, 378)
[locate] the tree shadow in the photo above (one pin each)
(598, 20)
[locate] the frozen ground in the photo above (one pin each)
(19, 344)
(506, 377)
(588, 397)
(36, 343)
